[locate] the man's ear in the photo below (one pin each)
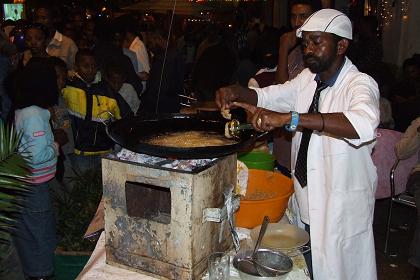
(342, 46)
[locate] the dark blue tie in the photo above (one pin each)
(301, 162)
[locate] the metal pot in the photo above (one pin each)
(242, 262)
(132, 133)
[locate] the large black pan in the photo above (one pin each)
(132, 132)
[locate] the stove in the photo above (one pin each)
(165, 216)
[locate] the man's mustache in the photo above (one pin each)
(308, 56)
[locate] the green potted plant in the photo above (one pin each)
(13, 172)
(75, 202)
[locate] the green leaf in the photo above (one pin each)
(14, 172)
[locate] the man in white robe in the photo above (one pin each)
(336, 198)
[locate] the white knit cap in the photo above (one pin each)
(328, 20)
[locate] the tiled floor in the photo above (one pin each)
(394, 266)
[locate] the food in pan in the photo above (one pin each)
(190, 139)
(226, 114)
(230, 128)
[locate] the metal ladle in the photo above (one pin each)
(248, 265)
(264, 225)
(269, 263)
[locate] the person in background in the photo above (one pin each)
(35, 236)
(118, 42)
(185, 43)
(405, 148)
(60, 121)
(366, 51)
(35, 42)
(36, 36)
(290, 57)
(90, 102)
(267, 56)
(116, 77)
(406, 94)
(88, 38)
(7, 51)
(133, 42)
(58, 45)
(124, 57)
(212, 38)
(408, 88)
(385, 79)
(7, 26)
(334, 111)
(166, 78)
(214, 69)
(109, 50)
(290, 64)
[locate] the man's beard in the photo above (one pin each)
(317, 64)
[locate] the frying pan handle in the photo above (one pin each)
(261, 135)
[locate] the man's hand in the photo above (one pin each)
(263, 119)
(226, 95)
(288, 40)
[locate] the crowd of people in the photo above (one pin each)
(62, 77)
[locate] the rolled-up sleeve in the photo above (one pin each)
(279, 98)
(363, 111)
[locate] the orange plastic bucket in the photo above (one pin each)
(267, 195)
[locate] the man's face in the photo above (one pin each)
(35, 41)
(319, 50)
(42, 16)
(86, 67)
(298, 14)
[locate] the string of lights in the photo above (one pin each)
(387, 8)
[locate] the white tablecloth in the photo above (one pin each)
(97, 269)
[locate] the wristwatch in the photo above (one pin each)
(294, 121)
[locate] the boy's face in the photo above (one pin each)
(35, 41)
(86, 67)
(115, 80)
